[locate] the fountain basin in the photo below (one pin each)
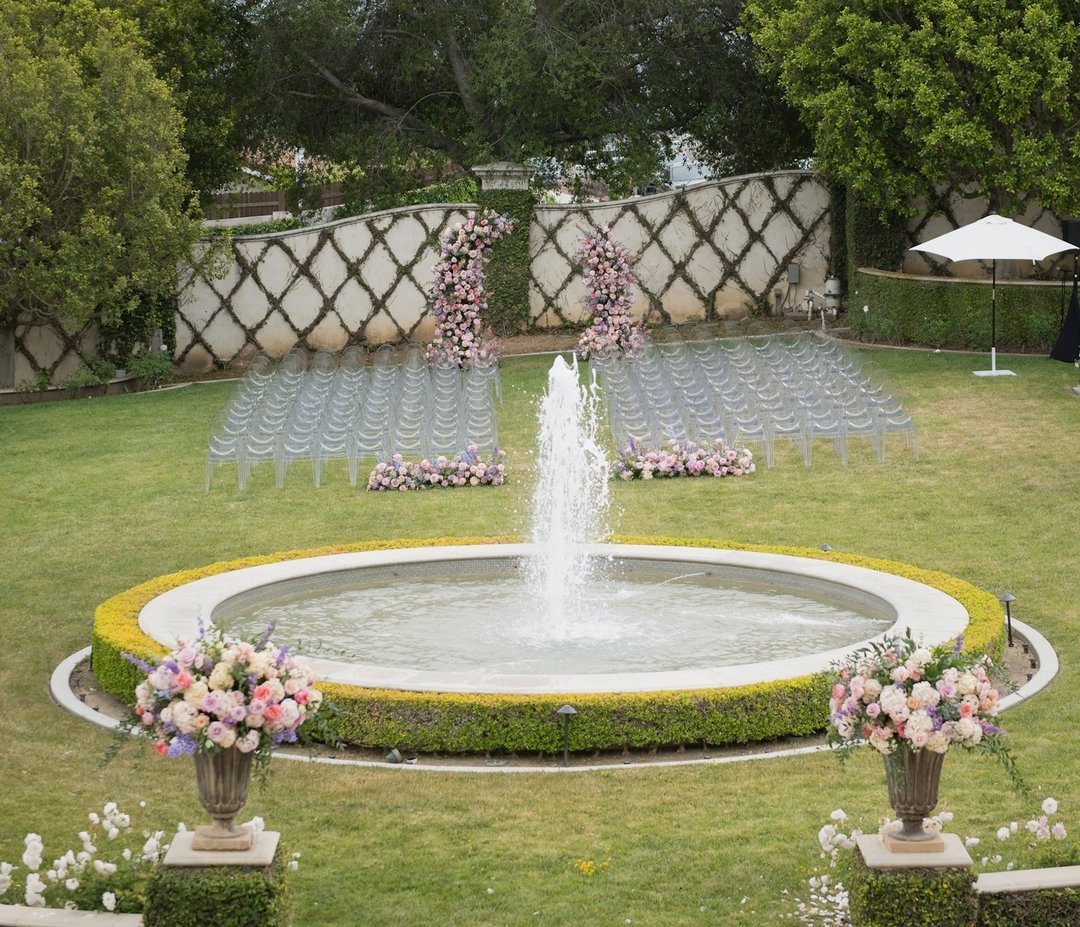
(894, 602)
(735, 705)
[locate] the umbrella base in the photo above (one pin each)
(993, 371)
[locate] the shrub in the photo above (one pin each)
(225, 896)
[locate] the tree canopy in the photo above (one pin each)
(910, 96)
(611, 84)
(91, 168)
(203, 50)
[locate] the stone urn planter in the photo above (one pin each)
(223, 778)
(912, 778)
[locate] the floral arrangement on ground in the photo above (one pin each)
(468, 469)
(682, 459)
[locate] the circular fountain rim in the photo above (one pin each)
(931, 615)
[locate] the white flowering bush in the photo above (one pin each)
(468, 469)
(107, 872)
(607, 269)
(1039, 842)
(459, 293)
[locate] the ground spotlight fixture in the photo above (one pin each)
(825, 547)
(1008, 598)
(567, 712)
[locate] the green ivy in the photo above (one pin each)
(908, 897)
(507, 271)
(873, 238)
(136, 324)
(906, 310)
(225, 896)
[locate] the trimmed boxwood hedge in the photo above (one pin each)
(1058, 907)
(952, 313)
(909, 897)
(222, 896)
(470, 723)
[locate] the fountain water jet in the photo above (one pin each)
(570, 501)
(448, 625)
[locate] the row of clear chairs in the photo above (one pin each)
(350, 407)
(688, 385)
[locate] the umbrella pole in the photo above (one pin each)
(993, 316)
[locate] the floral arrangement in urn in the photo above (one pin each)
(899, 695)
(912, 704)
(213, 693)
(459, 292)
(608, 272)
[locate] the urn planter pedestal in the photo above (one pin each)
(912, 778)
(223, 778)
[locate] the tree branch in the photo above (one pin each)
(434, 138)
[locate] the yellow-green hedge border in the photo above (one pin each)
(437, 722)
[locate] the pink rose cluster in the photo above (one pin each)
(213, 693)
(688, 459)
(899, 695)
(468, 469)
(459, 294)
(607, 269)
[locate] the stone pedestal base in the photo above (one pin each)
(184, 852)
(935, 844)
(876, 855)
(212, 837)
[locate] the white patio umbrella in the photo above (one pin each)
(992, 239)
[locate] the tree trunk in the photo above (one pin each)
(7, 357)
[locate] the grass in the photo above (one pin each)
(102, 494)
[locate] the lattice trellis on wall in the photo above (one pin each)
(707, 252)
(51, 348)
(950, 210)
(362, 280)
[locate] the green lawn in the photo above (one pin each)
(102, 494)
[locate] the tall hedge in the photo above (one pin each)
(952, 314)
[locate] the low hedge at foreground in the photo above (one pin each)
(948, 898)
(224, 896)
(435, 722)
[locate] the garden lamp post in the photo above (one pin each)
(1008, 598)
(567, 712)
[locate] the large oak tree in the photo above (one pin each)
(399, 85)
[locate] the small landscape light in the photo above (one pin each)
(1007, 598)
(567, 712)
(825, 547)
